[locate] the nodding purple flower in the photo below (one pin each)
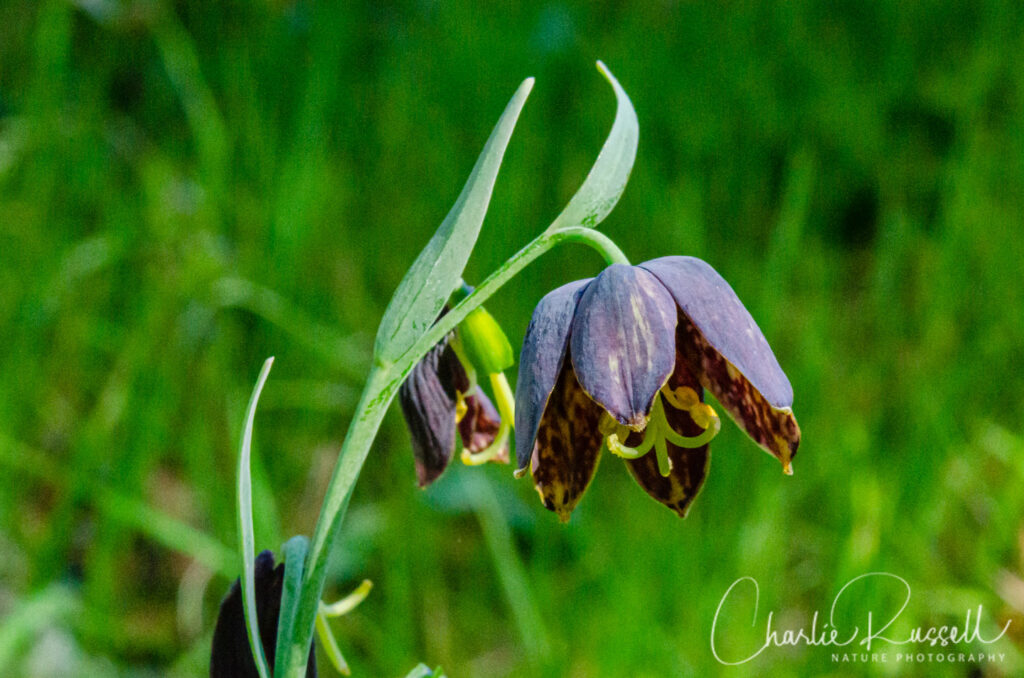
(623, 360)
(232, 655)
(441, 396)
(437, 399)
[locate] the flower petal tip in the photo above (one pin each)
(426, 476)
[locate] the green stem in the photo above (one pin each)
(595, 239)
(377, 395)
(381, 388)
(516, 263)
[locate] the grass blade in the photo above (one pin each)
(247, 540)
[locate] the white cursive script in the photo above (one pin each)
(829, 635)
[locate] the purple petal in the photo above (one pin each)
(428, 404)
(726, 325)
(773, 428)
(541, 362)
(623, 341)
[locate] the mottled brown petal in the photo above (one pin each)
(689, 466)
(540, 362)
(568, 445)
(479, 426)
(774, 429)
(714, 309)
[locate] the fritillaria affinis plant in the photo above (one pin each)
(620, 361)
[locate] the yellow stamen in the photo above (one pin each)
(505, 402)
(682, 398)
(323, 629)
(349, 602)
(659, 431)
(625, 451)
(664, 462)
(460, 407)
(702, 415)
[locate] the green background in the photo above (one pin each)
(188, 188)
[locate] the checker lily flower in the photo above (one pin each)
(622, 361)
(441, 396)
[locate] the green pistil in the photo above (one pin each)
(658, 432)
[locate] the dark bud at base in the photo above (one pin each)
(232, 655)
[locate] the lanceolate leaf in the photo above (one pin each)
(438, 268)
(294, 562)
(607, 179)
(247, 540)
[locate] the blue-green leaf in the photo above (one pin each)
(246, 538)
(607, 179)
(437, 270)
(294, 557)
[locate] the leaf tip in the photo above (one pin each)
(603, 70)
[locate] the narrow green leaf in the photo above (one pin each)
(438, 268)
(246, 538)
(607, 179)
(294, 556)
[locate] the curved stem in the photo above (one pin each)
(381, 388)
(516, 263)
(377, 395)
(595, 239)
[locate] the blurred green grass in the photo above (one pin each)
(187, 188)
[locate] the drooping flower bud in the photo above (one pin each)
(232, 655)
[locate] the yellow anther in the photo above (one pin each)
(682, 398)
(460, 407)
(703, 415)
